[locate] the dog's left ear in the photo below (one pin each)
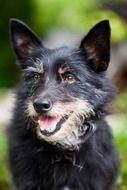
(96, 46)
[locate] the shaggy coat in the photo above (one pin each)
(79, 154)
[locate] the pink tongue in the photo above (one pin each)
(48, 122)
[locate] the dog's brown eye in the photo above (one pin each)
(68, 78)
(36, 77)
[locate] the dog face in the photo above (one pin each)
(63, 87)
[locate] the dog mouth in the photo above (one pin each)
(49, 125)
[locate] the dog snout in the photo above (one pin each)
(42, 105)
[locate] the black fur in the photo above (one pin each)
(38, 165)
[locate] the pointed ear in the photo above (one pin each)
(96, 46)
(24, 40)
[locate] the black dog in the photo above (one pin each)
(58, 138)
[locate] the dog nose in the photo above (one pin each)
(44, 105)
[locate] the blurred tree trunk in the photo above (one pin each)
(119, 8)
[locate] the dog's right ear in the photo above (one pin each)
(24, 40)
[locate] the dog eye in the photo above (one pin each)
(36, 77)
(68, 78)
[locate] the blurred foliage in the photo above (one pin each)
(120, 133)
(43, 16)
(9, 9)
(121, 103)
(4, 172)
(76, 15)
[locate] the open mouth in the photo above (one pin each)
(50, 124)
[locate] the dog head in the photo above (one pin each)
(63, 87)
